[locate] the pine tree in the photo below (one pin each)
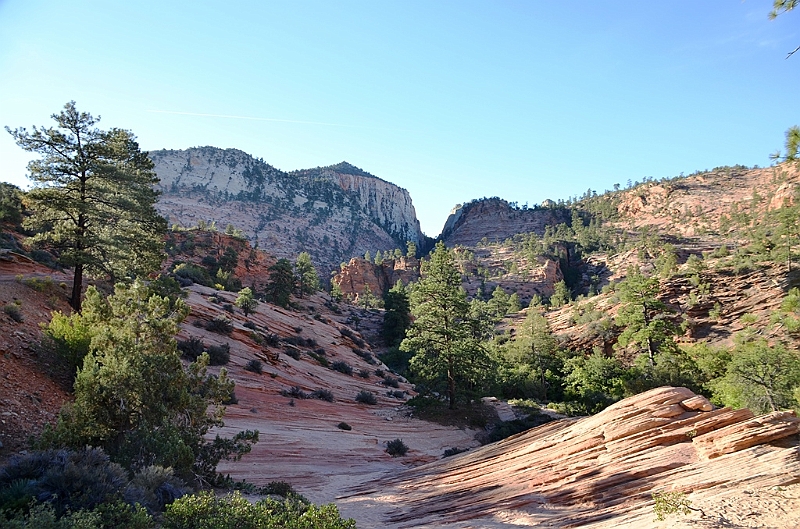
(133, 396)
(307, 278)
(397, 317)
(643, 316)
(441, 337)
(246, 301)
(281, 282)
(93, 198)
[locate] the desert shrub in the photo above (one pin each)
(39, 285)
(667, 503)
(365, 355)
(272, 339)
(396, 448)
(291, 351)
(363, 373)
(298, 329)
(104, 516)
(154, 488)
(250, 325)
(320, 351)
(311, 342)
(219, 355)
(345, 331)
(196, 274)
(13, 312)
(279, 488)
(69, 480)
(254, 366)
(69, 337)
(322, 394)
(454, 451)
(295, 392)
(191, 348)
(344, 426)
(366, 397)
(342, 367)
(221, 325)
(295, 340)
(205, 510)
(320, 359)
(391, 382)
(228, 307)
(380, 373)
(395, 394)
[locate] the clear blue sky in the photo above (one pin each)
(452, 100)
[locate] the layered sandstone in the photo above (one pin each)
(601, 471)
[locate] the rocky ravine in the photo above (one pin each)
(331, 212)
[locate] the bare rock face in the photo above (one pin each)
(359, 275)
(332, 213)
(390, 206)
(600, 471)
(496, 220)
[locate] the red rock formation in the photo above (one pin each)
(599, 470)
(359, 274)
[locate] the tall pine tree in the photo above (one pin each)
(93, 198)
(442, 335)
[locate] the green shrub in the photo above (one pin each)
(154, 488)
(219, 355)
(69, 336)
(13, 312)
(206, 511)
(322, 394)
(254, 366)
(191, 348)
(196, 274)
(295, 392)
(454, 451)
(221, 325)
(396, 448)
(391, 382)
(366, 397)
(69, 480)
(342, 367)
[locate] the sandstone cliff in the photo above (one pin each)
(359, 274)
(332, 213)
(496, 220)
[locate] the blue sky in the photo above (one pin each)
(452, 100)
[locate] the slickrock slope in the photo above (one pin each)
(600, 471)
(496, 220)
(333, 213)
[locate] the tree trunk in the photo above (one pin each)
(451, 385)
(77, 287)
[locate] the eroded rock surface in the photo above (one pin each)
(601, 471)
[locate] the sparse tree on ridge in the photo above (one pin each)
(93, 198)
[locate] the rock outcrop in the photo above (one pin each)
(600, 471)
(496, 220)
(331, 212)
(358, 275)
